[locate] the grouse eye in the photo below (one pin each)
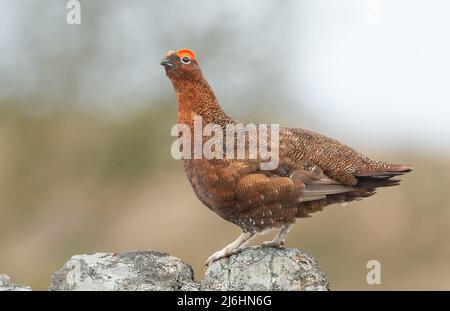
(185, 60)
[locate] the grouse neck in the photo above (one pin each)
(196, 98)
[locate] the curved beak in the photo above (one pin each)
(166, 63)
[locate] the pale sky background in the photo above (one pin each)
(390, 79)
(387, 81)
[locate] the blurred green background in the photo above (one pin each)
(86, 113)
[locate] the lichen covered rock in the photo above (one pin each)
(7, 285)
(127, 271)
(251, 269)
(266, 269)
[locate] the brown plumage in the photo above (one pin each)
(314, 171)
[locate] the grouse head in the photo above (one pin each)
(181, 65)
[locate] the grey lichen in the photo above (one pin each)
(251, 269)
(127, 271)
(7, 285)
(266, 269)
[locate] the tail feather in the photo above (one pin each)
(386, 171)
(366, 186)
(371, 183)
(381, 177)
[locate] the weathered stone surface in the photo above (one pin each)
(251, 269)
(127, 271)
(266, 269)
(7, 285)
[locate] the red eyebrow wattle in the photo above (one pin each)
(185, 52)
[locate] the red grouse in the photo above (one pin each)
(313, 170)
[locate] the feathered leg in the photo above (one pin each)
(231, 248)
(278, 240)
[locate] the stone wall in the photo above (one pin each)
(250, 269)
